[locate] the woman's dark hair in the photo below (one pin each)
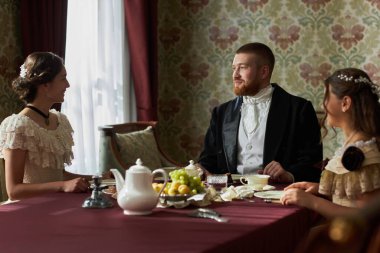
(364, 94)
(38, 68)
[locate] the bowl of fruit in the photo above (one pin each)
(181, 186)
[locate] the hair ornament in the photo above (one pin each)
(361, 79)
(375, 88)
(23, 71)
(345, 77)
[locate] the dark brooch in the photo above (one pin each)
(352, 158)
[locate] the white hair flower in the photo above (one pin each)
(23, 71)
(345, 77)
(364, 80)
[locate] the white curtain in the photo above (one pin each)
(97, 64)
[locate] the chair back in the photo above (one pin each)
(357, 233)
(119, 143)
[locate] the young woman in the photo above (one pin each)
(37, 142)
(352, 176)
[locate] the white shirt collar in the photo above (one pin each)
(263, 95)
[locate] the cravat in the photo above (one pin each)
(250, 110)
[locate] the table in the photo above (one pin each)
(57, 223)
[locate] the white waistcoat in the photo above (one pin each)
(253, 121)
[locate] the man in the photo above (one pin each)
(265, 129)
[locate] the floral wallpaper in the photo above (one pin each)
(10, 57)
(310, 38)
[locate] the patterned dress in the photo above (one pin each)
(344, 186)
(48, 150)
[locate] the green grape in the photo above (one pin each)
(197, 179)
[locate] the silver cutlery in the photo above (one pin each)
(207, 214)
(268, 200)
(208, 210)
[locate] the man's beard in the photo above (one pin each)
(249, 89)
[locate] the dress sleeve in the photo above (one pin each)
(15, 134)
(350, 185)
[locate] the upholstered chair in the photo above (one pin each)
(121, 144)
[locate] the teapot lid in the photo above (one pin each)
(139, 167)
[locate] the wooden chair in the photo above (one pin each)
(110, 155)
(358, 233)
(3, 190)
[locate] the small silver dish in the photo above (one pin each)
(175, 198)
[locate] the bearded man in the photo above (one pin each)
(264, 129)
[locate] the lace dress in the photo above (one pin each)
(344, 186)
(48, 150)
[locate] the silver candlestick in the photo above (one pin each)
(97, 198)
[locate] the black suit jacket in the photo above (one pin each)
(292, 137)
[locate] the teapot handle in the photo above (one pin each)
(163, 172)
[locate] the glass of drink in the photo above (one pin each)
(219, 182)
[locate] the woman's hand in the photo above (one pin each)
(78, 184)
(298, 197)
(306, 186)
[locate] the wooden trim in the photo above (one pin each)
(3, 189)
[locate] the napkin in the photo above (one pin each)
(199, 200)
(242, 191)
(232, 192)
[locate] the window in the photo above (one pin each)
(97, 65)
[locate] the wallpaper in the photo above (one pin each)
(310, 39)
(10, 57)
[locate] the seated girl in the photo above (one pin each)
(37, 142)
(352, 176)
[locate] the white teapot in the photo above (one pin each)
(135, 194)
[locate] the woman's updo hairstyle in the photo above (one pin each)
(38, 68)
(365, 96)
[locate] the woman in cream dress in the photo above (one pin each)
(37, 142)
(352, 176)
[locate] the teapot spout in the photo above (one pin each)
(118, 178)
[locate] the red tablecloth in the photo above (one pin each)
(57, 223)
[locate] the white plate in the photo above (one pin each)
(269, 194)
(108, 181)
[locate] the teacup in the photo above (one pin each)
(258, 181)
